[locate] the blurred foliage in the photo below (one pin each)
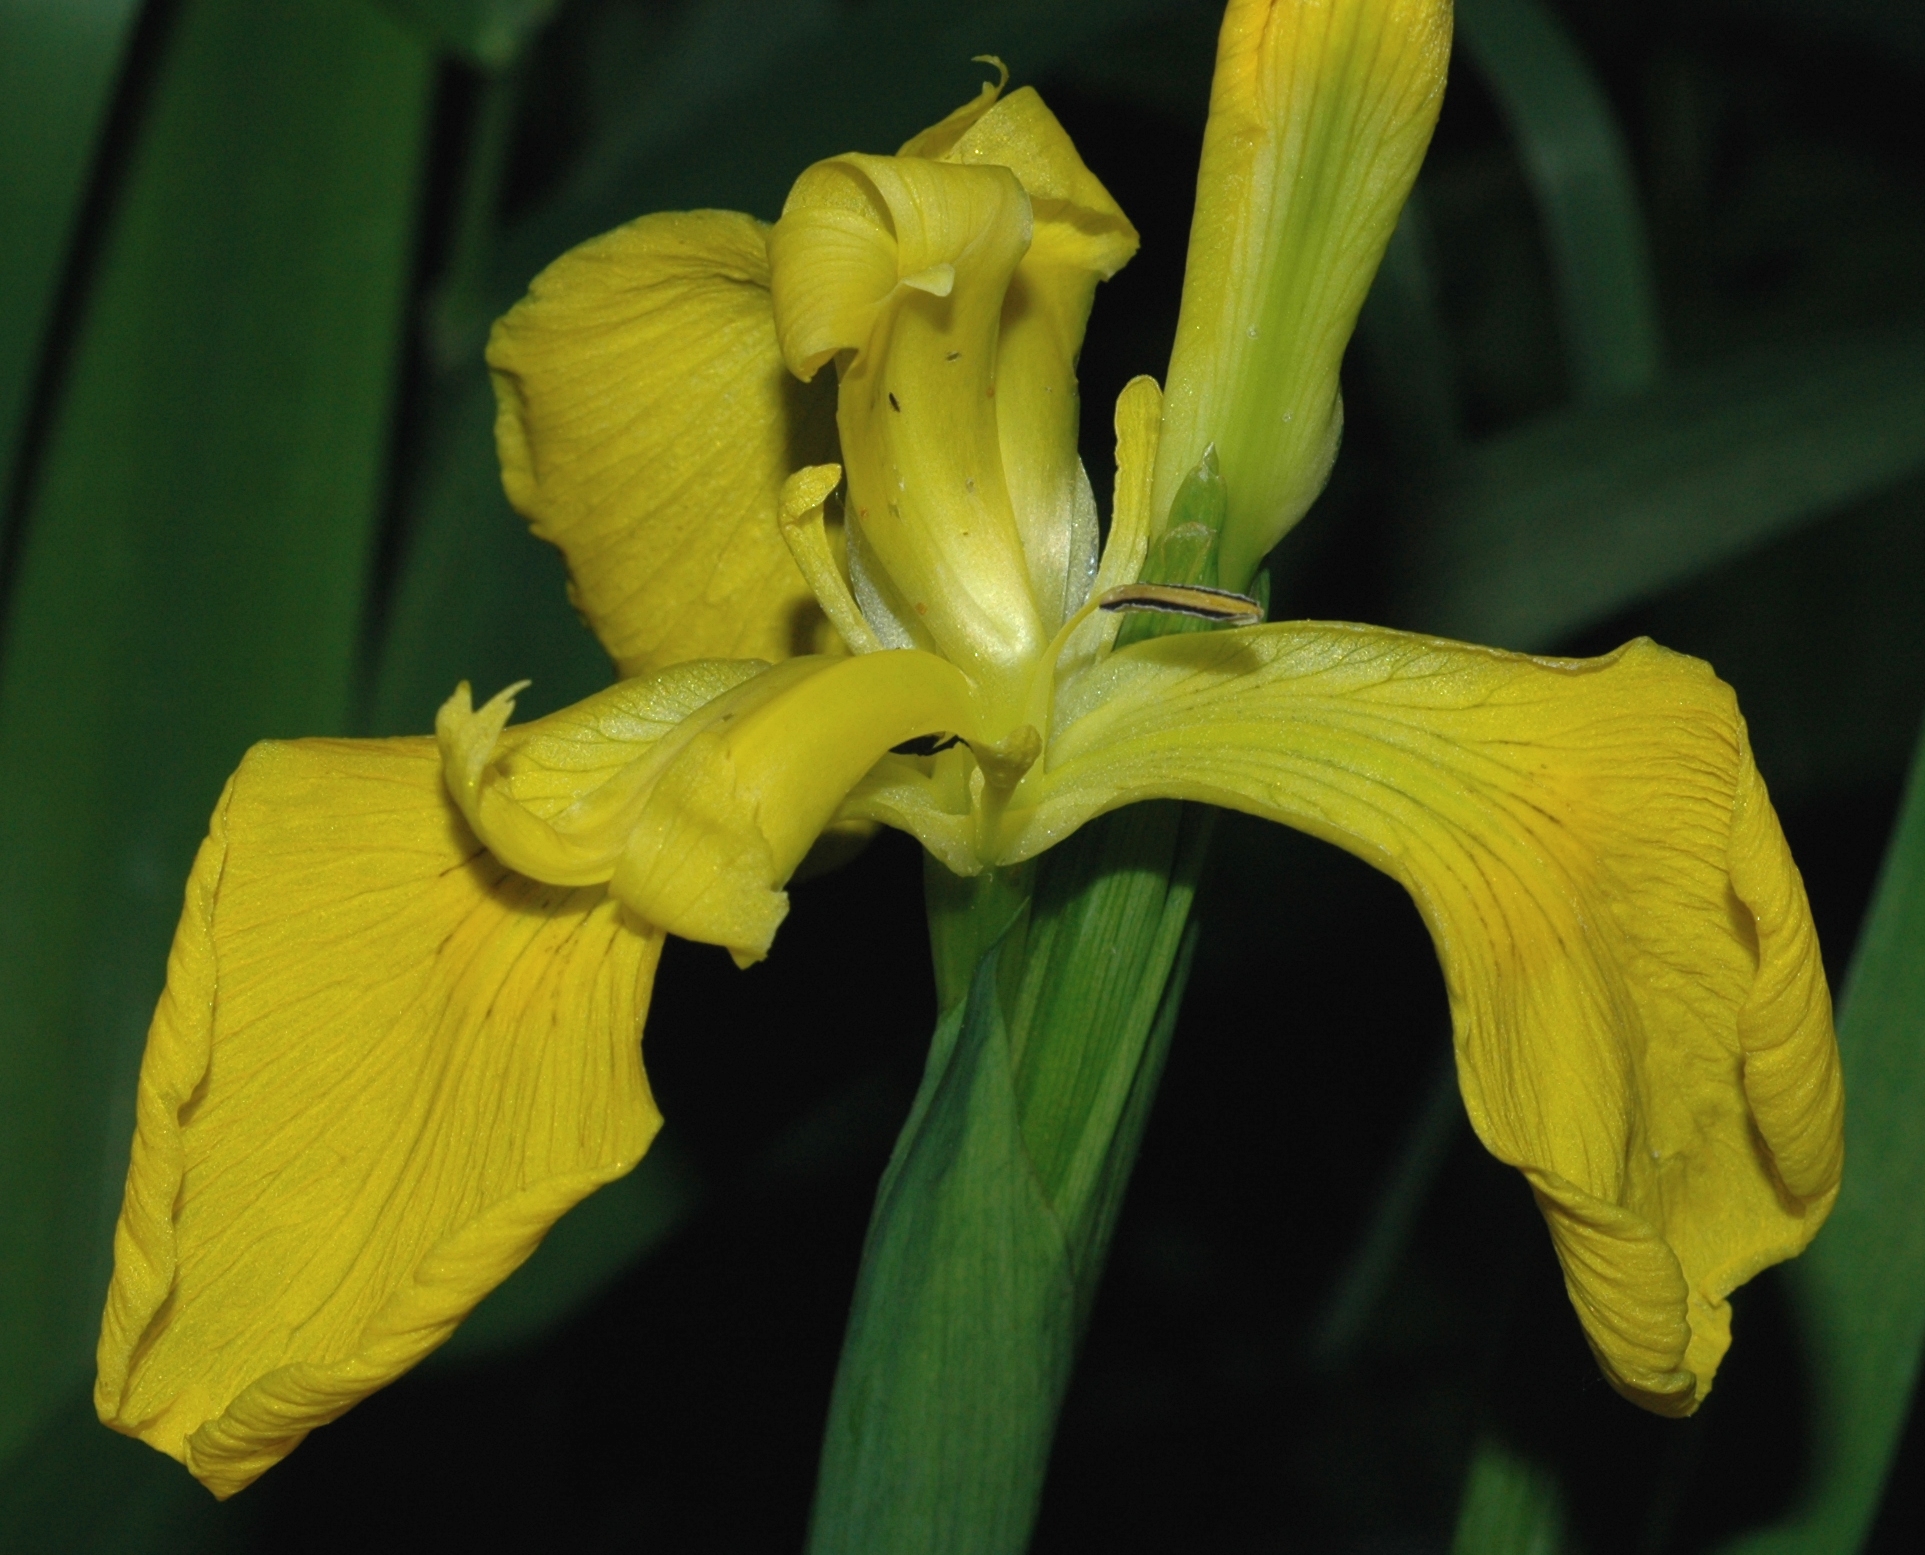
(1511, 1506)
(58, 66)
(1571, 150)
(187, 572)
(1646, 356)
(488, 33)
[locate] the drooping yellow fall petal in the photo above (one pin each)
(646, 424)
(1079, 236)
(1320, 112)
(897, 267)
(695, 792)
(1641, 1017)
(383, 1066)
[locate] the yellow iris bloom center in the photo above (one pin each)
(400, 1033)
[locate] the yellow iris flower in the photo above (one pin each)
(400, 1034)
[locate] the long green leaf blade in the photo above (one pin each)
(490, 33)
(1580, 172)
(191, 579)
(965, 1313)
(59, 60)
(993, 1222)
(1511, 1505)
(1554, 527)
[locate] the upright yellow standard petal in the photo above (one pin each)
(896, 268)
(1641, 1017)
(1079, 236)
(383, 1066)
(645, 426)
(1320, 113)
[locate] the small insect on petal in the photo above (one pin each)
(1185, 599)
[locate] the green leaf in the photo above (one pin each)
(190, 579)
(1401, 333)
(1104, 958)
(1859, 1292)
(1580, 172)
(1554, 527)
(968, 917)
(81, 1489)
(1511, 1505)
(59, 60)
(1366, 1276)
(1187, 551)
(960, 1338)
(477, 597)
(489, 33)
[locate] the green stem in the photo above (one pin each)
(1059, 985)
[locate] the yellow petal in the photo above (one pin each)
(1641, 1017)
(645, 426)
(1139, 411)
(898, 267)
(1080, 236)
(695, 792)
(1139, 425)
(1320, 112)
(382, 1067)
(804, 496)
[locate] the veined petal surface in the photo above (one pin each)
(1642, 1023)
(383, 1066)
(645, 426)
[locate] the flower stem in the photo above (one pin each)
(1059, 985)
